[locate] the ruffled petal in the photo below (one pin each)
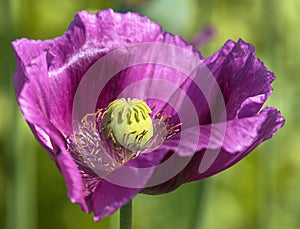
(26, 50)
(89, 37)
(72, 177)
(32, 92)
(31, 87)
(240, 76)
(242, 136)
(233, 136)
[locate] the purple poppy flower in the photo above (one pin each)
(50, 79)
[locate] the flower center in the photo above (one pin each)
(129, 123)
(118, 133)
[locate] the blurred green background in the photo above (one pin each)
(262, 191)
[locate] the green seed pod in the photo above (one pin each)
(129, 122)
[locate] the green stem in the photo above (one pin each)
(199, 217)
(126, 216)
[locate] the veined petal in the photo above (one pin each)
(233, 136)
(73, 179)
(242, 136)
(89, 37)
(26, 50)
(31, 86)
(240, 76)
